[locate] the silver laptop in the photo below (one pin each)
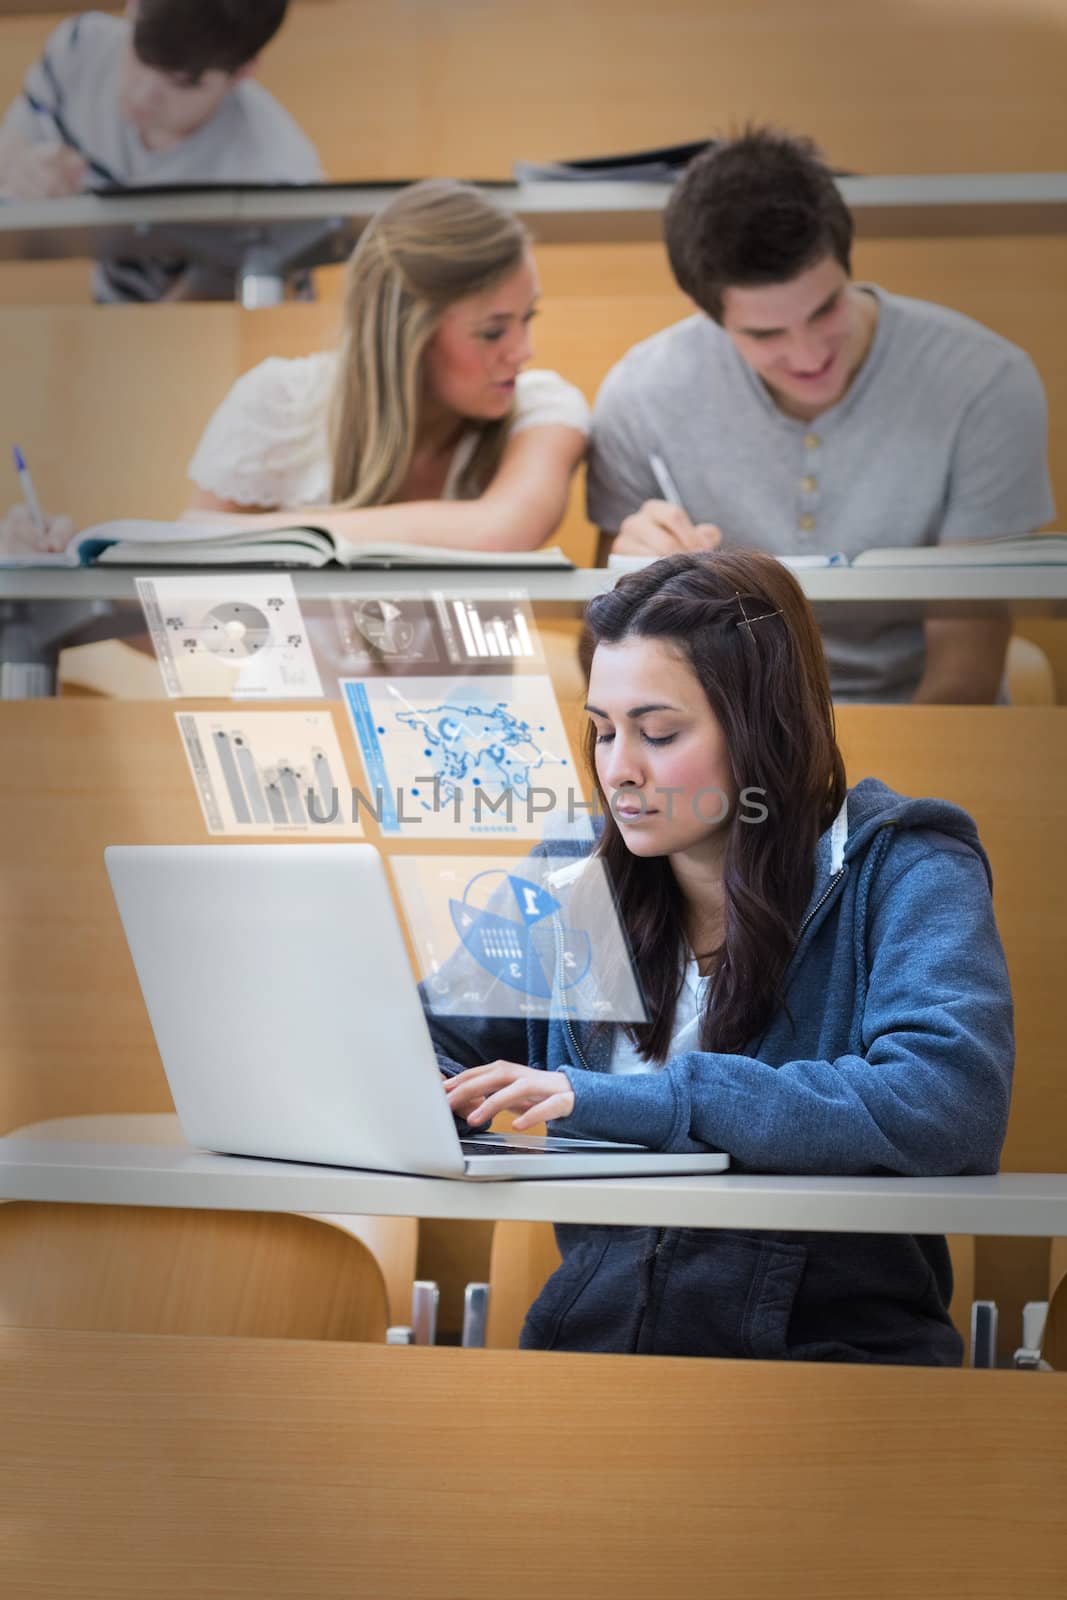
(289, 1023)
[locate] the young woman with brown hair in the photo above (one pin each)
(824, 983)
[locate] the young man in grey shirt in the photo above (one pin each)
(800, 413)
(162, 96)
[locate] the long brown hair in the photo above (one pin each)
(437, 242)
(765, 680)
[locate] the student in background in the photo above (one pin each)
(800, 412)
(423, 425)
(164, 95)
(824, 982)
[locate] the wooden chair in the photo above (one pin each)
(393, 1241)
(962, 1250)
(522, 1258)
(1054, 1339)
(1028, 674)
(394, 1244)
(1057, 1263)
(132, 1269)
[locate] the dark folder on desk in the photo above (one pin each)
(661, 165)
(664, 164)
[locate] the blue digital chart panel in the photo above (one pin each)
(534, 936)
(473, 757)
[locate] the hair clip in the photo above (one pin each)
(747, 620)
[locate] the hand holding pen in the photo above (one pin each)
(26, 528)
(44, 170)
(663, 527)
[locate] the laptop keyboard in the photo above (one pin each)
(475, 1147)
(479, 1147)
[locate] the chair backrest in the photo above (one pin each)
(1028, 674)
(962, 1250)
(522, 1257)
(1054, 1338)
(1057, 1262)
(133, 1269)
(393, 1241)
(394, 1244)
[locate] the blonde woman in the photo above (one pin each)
(423, 425)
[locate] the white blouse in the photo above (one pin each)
(625, 1058)
(267, 443)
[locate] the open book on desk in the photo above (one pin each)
(133, 543)
(1030, 550)
(624, 563)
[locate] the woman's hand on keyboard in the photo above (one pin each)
(480, 1092)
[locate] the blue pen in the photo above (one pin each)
(46, 117)
(56, 123)
(29, 493)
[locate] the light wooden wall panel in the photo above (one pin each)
(46, 283)
(1009, 769)
(406, 88)
(137, 1465)
(466, 87)
(108, 402)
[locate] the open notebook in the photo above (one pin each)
(1030, 550)
(135, 543)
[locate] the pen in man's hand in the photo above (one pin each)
(62, 138)
(29, 493)
(664, 482)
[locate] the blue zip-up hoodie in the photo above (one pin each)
(892, 1053)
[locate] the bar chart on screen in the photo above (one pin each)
(484, 630)
(264, 772)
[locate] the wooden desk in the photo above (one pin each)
(1019, 590)
(162, 1468)
(315, 224)
(159, 1169)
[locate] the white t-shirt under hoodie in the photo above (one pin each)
(268, 445)
(685, 1034)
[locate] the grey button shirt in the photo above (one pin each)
(941, 436)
